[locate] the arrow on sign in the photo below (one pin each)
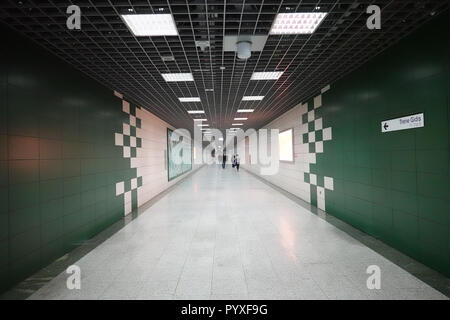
(386, 126)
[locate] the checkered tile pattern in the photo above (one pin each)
(130, 143)
(315, 137)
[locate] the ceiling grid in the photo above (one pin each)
(106, 50)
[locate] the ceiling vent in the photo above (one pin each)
(202, 44)
(167, 58)
(244, 45)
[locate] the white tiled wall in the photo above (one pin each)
(291, 176)
(150, 161)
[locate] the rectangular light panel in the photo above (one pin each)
(240, 119)
(178, 77)
(245, 110)
(252, 98)
(267, 75)
(148, 25)
(237, 124)
(192, 99)
(196, 112)
(200, 119)
(297, 23)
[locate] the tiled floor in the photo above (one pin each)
(226, 235)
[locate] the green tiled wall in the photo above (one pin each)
(58, 159)
(395, 186)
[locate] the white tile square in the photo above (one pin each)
(313, 179)
(128, 197)
(133, 142)
(328, 87)
(126, 152)
(303, 109)
(320, 192)
(312, 136)
(132, 121)
(134, 183)
(118, 139)
(329, 183)
(128, 208)
(118, 95)
(327, 134)
(311, 116)
(317, 102)
(120, 188)
(319, 147)
(318, 124)
(125, 107)
(126, 129)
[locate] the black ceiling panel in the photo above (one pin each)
(106, 50)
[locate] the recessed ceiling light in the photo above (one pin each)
(252, 98)
(200, 119)
(193, 99)
(148, 25)
(267, 75)
(196, 112)
(177, 77)
(209, 90)
(237, 124)
(245, 110)
(240, 119)
(167, 58)
(297, 23)
(203, 125)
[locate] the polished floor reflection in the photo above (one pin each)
(226, 235)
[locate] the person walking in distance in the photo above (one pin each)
(237, 162)
(224, 160)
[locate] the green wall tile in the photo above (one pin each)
(3, 147)
(404, 181)
(434, 185)
(23, 196)
(392, 185)
(23, 148)
(51, 169)
(433, 161)
(25, 243)
(4, 180)
(50, 149)
(23, 171)
(51, 210)
(23, 116)
(58, 144)
(51, 189)
(24, 219)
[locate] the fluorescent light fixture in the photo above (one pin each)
(203, 125)
(192, 99)
(297, 23)
(177, 77)
(267, 75)
(148, 25)
(196, 112)
(252, 98)
(200, 119)
(245, 110)
(240, 119)
(237, 124)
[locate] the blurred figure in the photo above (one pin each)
(224, 160)
(236, 161)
